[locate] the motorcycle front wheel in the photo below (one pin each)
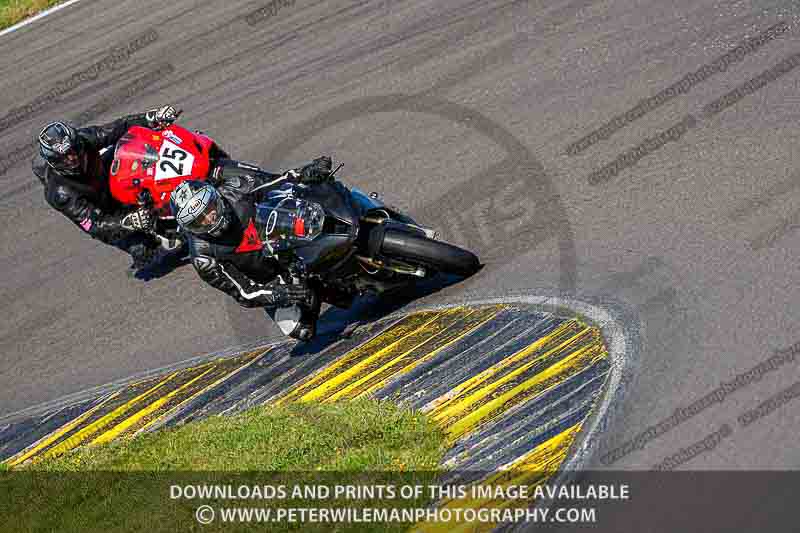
(439, 255)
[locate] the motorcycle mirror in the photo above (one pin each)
(334, 171)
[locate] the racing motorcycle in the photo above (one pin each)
(343, 243)
(149, 164)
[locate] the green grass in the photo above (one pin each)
(125, 486)
(13, 11)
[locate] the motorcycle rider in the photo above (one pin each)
(218, 218)
(74, 173)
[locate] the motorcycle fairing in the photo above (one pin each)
(157, 161)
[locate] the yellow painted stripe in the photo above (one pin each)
(484, 390)
(475, 321)
(555, 338)
(127, 423)
(204, 389)
(80, 436)
(405, 326)
(536, 385)
(547, 457)
(372, 365)
(532, 469)
(458, 408)
(109, 418)
(368, 359)
(408, 360)
(397, 349)
(534, 466)
(57, 434)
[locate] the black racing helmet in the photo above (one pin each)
(199, 208)
(61, 148)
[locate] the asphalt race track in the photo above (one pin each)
(477, 118)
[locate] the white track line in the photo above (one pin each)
(43, 14)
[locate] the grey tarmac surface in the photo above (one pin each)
(460, 112)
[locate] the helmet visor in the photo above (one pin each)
(69, 161)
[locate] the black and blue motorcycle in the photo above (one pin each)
(344, 243)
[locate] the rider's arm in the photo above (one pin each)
(106, 227)
(246, 177)
(243, 177)
(224, 276)
(98, 137)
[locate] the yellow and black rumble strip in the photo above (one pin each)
(510, 385)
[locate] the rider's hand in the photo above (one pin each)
(318, 170)
(163, 116)
(293, 175)
(140, 220)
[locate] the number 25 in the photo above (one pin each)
(180, 155)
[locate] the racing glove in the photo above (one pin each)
(286, 295)
(161, 117)
(140, 220)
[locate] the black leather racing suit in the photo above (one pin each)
(86, 199)
(233, 262)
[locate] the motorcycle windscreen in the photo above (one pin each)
(132, 157)
(289, 221)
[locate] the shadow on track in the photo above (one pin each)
(160, 267)
(336, 323)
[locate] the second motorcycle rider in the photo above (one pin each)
(218, 217)
(74, 171)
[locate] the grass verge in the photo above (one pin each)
(13, 11)
(129, 485)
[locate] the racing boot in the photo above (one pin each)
(297, 321)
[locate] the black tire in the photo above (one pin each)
(442, 256)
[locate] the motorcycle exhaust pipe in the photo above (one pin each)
(400, 268)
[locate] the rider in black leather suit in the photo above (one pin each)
(224, 244)
(74, 174)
